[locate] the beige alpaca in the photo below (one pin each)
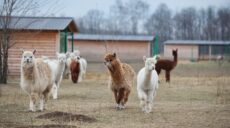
(121, 80)
(36, 79)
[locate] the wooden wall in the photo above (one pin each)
(45, 43)
(128, 51)
(186, 52)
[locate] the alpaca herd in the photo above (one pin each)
(41, 76)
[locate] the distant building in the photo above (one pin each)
(128, 47)
(47, 35)
(196, 49)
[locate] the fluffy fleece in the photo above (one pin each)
(121, 79)
(75, 71)
(75, 56)
(57, 67)
(36, 79)
(147, 84)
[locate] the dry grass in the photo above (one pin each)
(198, 96)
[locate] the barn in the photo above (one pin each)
(197, 49)
(130, 48)
(47, 35)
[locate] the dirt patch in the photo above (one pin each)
(66, 117)
(49, 126)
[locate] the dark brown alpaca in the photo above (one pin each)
(75, 70)
(167, 65)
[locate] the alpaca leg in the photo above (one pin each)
(54, 91)
(116, 97)
(142, 105)
(167, 76)
(149, 101)
(143, 98)
(154, 94)
(45, 100)
(32, 102)
(158, 73)
(121, 98)
(127, 92)
(41, 107)
(125, 98)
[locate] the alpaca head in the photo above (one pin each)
(150, 62)
(109, 59)
(76, 52)
(61, 57)
(28, 57)
(174, 52)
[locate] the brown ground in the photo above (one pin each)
(197, 97)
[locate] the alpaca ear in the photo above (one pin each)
(34, 51)
(114, 54)
(144, 58)
(67, 53)
(22, 51)
(57, 53)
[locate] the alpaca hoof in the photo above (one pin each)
(54, 98)
(40, 110)
(118, 108)
(30, 110)
(122, 106)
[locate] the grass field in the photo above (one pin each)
(197, 97)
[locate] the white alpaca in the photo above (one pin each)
(83, 66)
(147, 84)
(69, 57)
(57, 67)
(36, 79)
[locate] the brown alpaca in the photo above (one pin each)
(75, 70)
(121, 79)
(167, 65)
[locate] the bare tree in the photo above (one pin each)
(160, 22)
(118, 20)
(224, 23)
(211, 27)
(91, 22)
(8, 8)
(186, 25)
(138, 10)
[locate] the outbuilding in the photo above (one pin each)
(197, 49)
(129, 48)
(47, 35)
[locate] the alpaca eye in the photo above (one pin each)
(30, 57)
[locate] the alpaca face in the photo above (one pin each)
(109, 58)
(174, 52)
(150, 63)
(61, 57)
(28, 57)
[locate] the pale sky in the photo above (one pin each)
(77, 8)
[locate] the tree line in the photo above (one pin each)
(133, 17)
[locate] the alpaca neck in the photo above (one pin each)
(28, 71)
(175, 60)
(148, 75)
(60, 67)
(117, 72)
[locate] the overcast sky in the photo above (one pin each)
(77, 8)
